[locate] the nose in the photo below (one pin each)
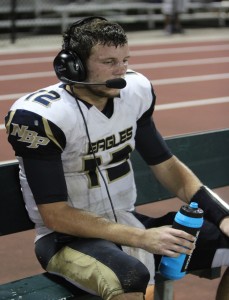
(120, 67)
(121, 64)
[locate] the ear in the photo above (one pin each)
(69, 67)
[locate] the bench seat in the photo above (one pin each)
(206, 153)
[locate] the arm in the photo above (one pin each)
(183, 183)
(45, 175)
(177, 178)
(61, 217)
(47, 182)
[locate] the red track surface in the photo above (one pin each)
(169, 121)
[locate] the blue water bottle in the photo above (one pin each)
(189, 219)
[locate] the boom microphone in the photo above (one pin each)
(117, 83)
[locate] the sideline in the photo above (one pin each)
(149, 37)
(135, 53)
(155, 82)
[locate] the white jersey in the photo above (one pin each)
(113, 139)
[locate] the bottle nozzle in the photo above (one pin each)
(193, 205)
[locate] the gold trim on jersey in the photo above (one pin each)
(117, 167)
(49, 133)
(9, 121)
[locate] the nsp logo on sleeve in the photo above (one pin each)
(28, 136)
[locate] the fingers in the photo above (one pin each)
(181, 249)
(184, 243)
(179, 233)
(181, 243)
(169, 241)
(174, 250)
(171, 253)
(184, 235)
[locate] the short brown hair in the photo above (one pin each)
(81, 38)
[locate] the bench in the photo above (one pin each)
(207, 154)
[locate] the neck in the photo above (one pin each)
(87, 94)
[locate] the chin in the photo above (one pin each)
(113, 92)
(104, 91)
(108, 92)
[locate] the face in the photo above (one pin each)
(106, 62)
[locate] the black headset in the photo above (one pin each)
(67, 64)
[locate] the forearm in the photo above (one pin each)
(88, 225)
(183, 183)
(161, 240)
(177, 178)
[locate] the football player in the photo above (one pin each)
(73, 141)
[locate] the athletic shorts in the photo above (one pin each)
(102, 268)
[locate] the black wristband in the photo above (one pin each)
(215, 209)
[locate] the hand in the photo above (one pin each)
(224, 226)
(169, 241)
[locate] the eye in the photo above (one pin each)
(109, 62)
(115, 63)
(125, 62)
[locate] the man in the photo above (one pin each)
(73, 141)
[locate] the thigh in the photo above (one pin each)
(97, 266)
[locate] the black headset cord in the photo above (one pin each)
(93, 153)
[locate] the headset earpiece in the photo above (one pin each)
(67, 64)
(69, 67)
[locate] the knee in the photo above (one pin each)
(136, 278)
(132, 278)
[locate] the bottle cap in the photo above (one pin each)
(192, 210)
